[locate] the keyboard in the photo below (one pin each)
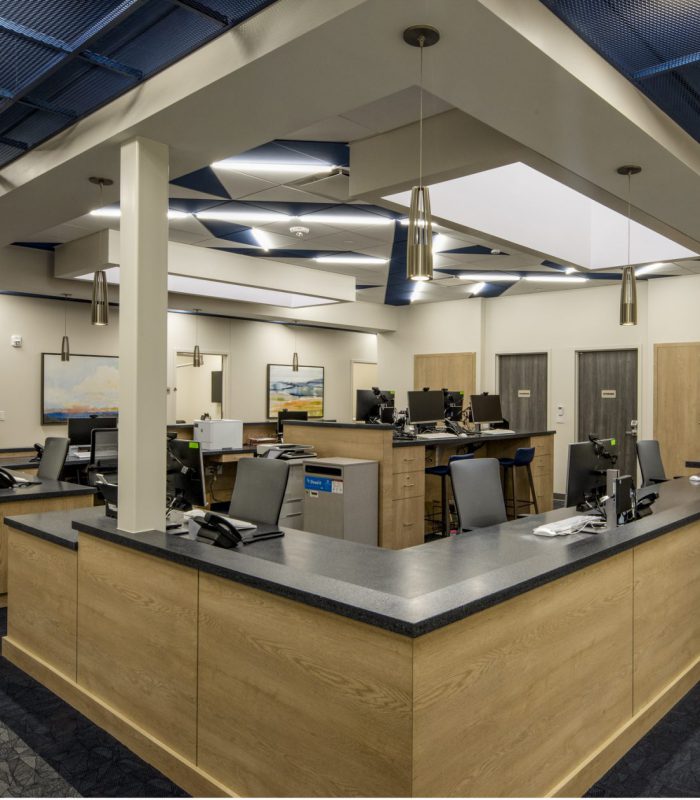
(437, 435)
(563, 527)
(496, 431)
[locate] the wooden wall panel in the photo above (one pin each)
(509, 701)
(137, 639)
(677, 405)
(446, 371)
(43, 581)
(294, 701)
(666, 610)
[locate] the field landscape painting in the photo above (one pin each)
(294, 391)
(82, 387)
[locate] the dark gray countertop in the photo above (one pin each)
(45, 489)
(413, 591)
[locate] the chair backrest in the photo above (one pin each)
(462, 457)
(104, 443)
(649, 455)
(476, 485)
(53, 458)
(259, 490)
(523, 456)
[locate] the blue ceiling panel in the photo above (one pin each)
(202, 180)
(655, 44)
(60, 61)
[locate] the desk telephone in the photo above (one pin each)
(220, 531)
(7, 479)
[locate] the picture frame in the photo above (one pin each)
(85, 386)
(295, 391)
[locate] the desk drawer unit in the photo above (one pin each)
(409, 484)
(409, 459)
(408, 521)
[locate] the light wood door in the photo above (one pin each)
(677, 405)
(454, 371)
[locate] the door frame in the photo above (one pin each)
(536, 352)
(354, 361)
(638, 348)
(225, 366)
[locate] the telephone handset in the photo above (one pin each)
(453, 427)
(7, 479)
(217, 530)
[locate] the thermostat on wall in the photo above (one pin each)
(16, 340)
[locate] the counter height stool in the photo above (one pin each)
(443, 472)
(522, 459)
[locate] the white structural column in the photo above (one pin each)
(143, 308)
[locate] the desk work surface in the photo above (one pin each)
(411, 591)
(45, 489)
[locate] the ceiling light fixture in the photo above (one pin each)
(350, 260)
(301, 168)
(295, 356)
(197, 357)
(554, 279)
(100, 299)
(628, 290)
(243, 216)
(115, 213)
(374, 220)
(477, 288)
(489, 277)
(65, 344)
(570, 270)
(419, 246)
(262, 238)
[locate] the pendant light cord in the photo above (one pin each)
(420, 118)
(629, 218)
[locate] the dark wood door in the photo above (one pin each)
(607, 401)
(522, 384)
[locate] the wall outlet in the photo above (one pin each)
(561, 415)
(16, 340)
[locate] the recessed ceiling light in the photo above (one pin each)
(647, 268)
(115, 213)
(554, 279)
(489, 277)
(262, 238)
(303, 168)
(350, 260)
(477, 287)
(570, 270)
(242, 216)
(333, 219)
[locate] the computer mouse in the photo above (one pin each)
(694, 478)
(463, 435)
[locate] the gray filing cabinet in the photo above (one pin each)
(292, 513)
(341, 498)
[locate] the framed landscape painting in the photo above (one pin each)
(294, 391)
(82, 387)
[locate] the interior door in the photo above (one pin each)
(607, 401)
(522, 385)
(677, 405)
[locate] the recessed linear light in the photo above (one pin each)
(243, 216)
(477, 288)
(647, 268)
(570, 270)
(330, 219)
(555, 279)
(350, 260)
(303, 168)
(262, 238)
(115, 213)
(489, 277)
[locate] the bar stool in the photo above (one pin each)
(442, 471)
(522, 458)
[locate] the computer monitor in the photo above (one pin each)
(486, 408)
(454, 404)
(80, 428)
(426, 407)
(104, 447)
(369, 405)
(586, 476)
(185, 478)
(284, 415)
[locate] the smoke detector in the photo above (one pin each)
(299, 230)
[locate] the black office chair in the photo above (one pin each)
(476, 486)
(259, 490)
(650, 463)
(53, 458)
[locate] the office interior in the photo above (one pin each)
(438, 602)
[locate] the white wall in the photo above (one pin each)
(249, 346)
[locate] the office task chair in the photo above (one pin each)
(476, 485)
(259, 490)
(522, 460)
(53, 458)
(103, 453)
(649, 455)
(442, 471)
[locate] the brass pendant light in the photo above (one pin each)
(419, 247)
(628, 292)
(295, 357)
(197, 357)
(65, 344)
(100, 296)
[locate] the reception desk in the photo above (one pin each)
(405, 497)
(492, 663)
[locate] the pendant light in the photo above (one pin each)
(65, 344)
(295, 357)
(628, 293)
(100, 297)
(197, 357)
(419, 247)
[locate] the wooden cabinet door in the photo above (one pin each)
(677, 405)
(455, 371)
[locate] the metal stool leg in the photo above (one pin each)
(532, 489)
(445, 507)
